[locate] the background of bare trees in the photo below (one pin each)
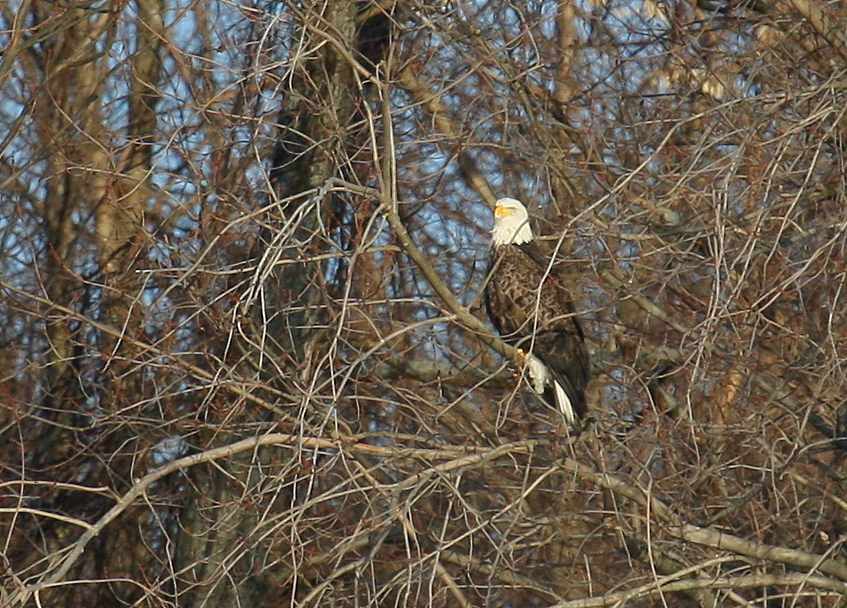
(241, 247)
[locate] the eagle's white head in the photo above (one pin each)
(511, 223)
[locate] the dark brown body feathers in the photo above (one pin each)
(543, 324)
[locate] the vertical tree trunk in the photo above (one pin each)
(320, 130)
(87, 178)
(322, 105)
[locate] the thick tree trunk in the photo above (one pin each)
(320, 128)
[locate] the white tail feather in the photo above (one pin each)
(540, 377)
(564, 403)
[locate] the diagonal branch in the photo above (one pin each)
(432, 101)
(455, 459)
(709, 537)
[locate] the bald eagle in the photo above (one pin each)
(531, 309)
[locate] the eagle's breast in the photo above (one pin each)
(512, 293)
